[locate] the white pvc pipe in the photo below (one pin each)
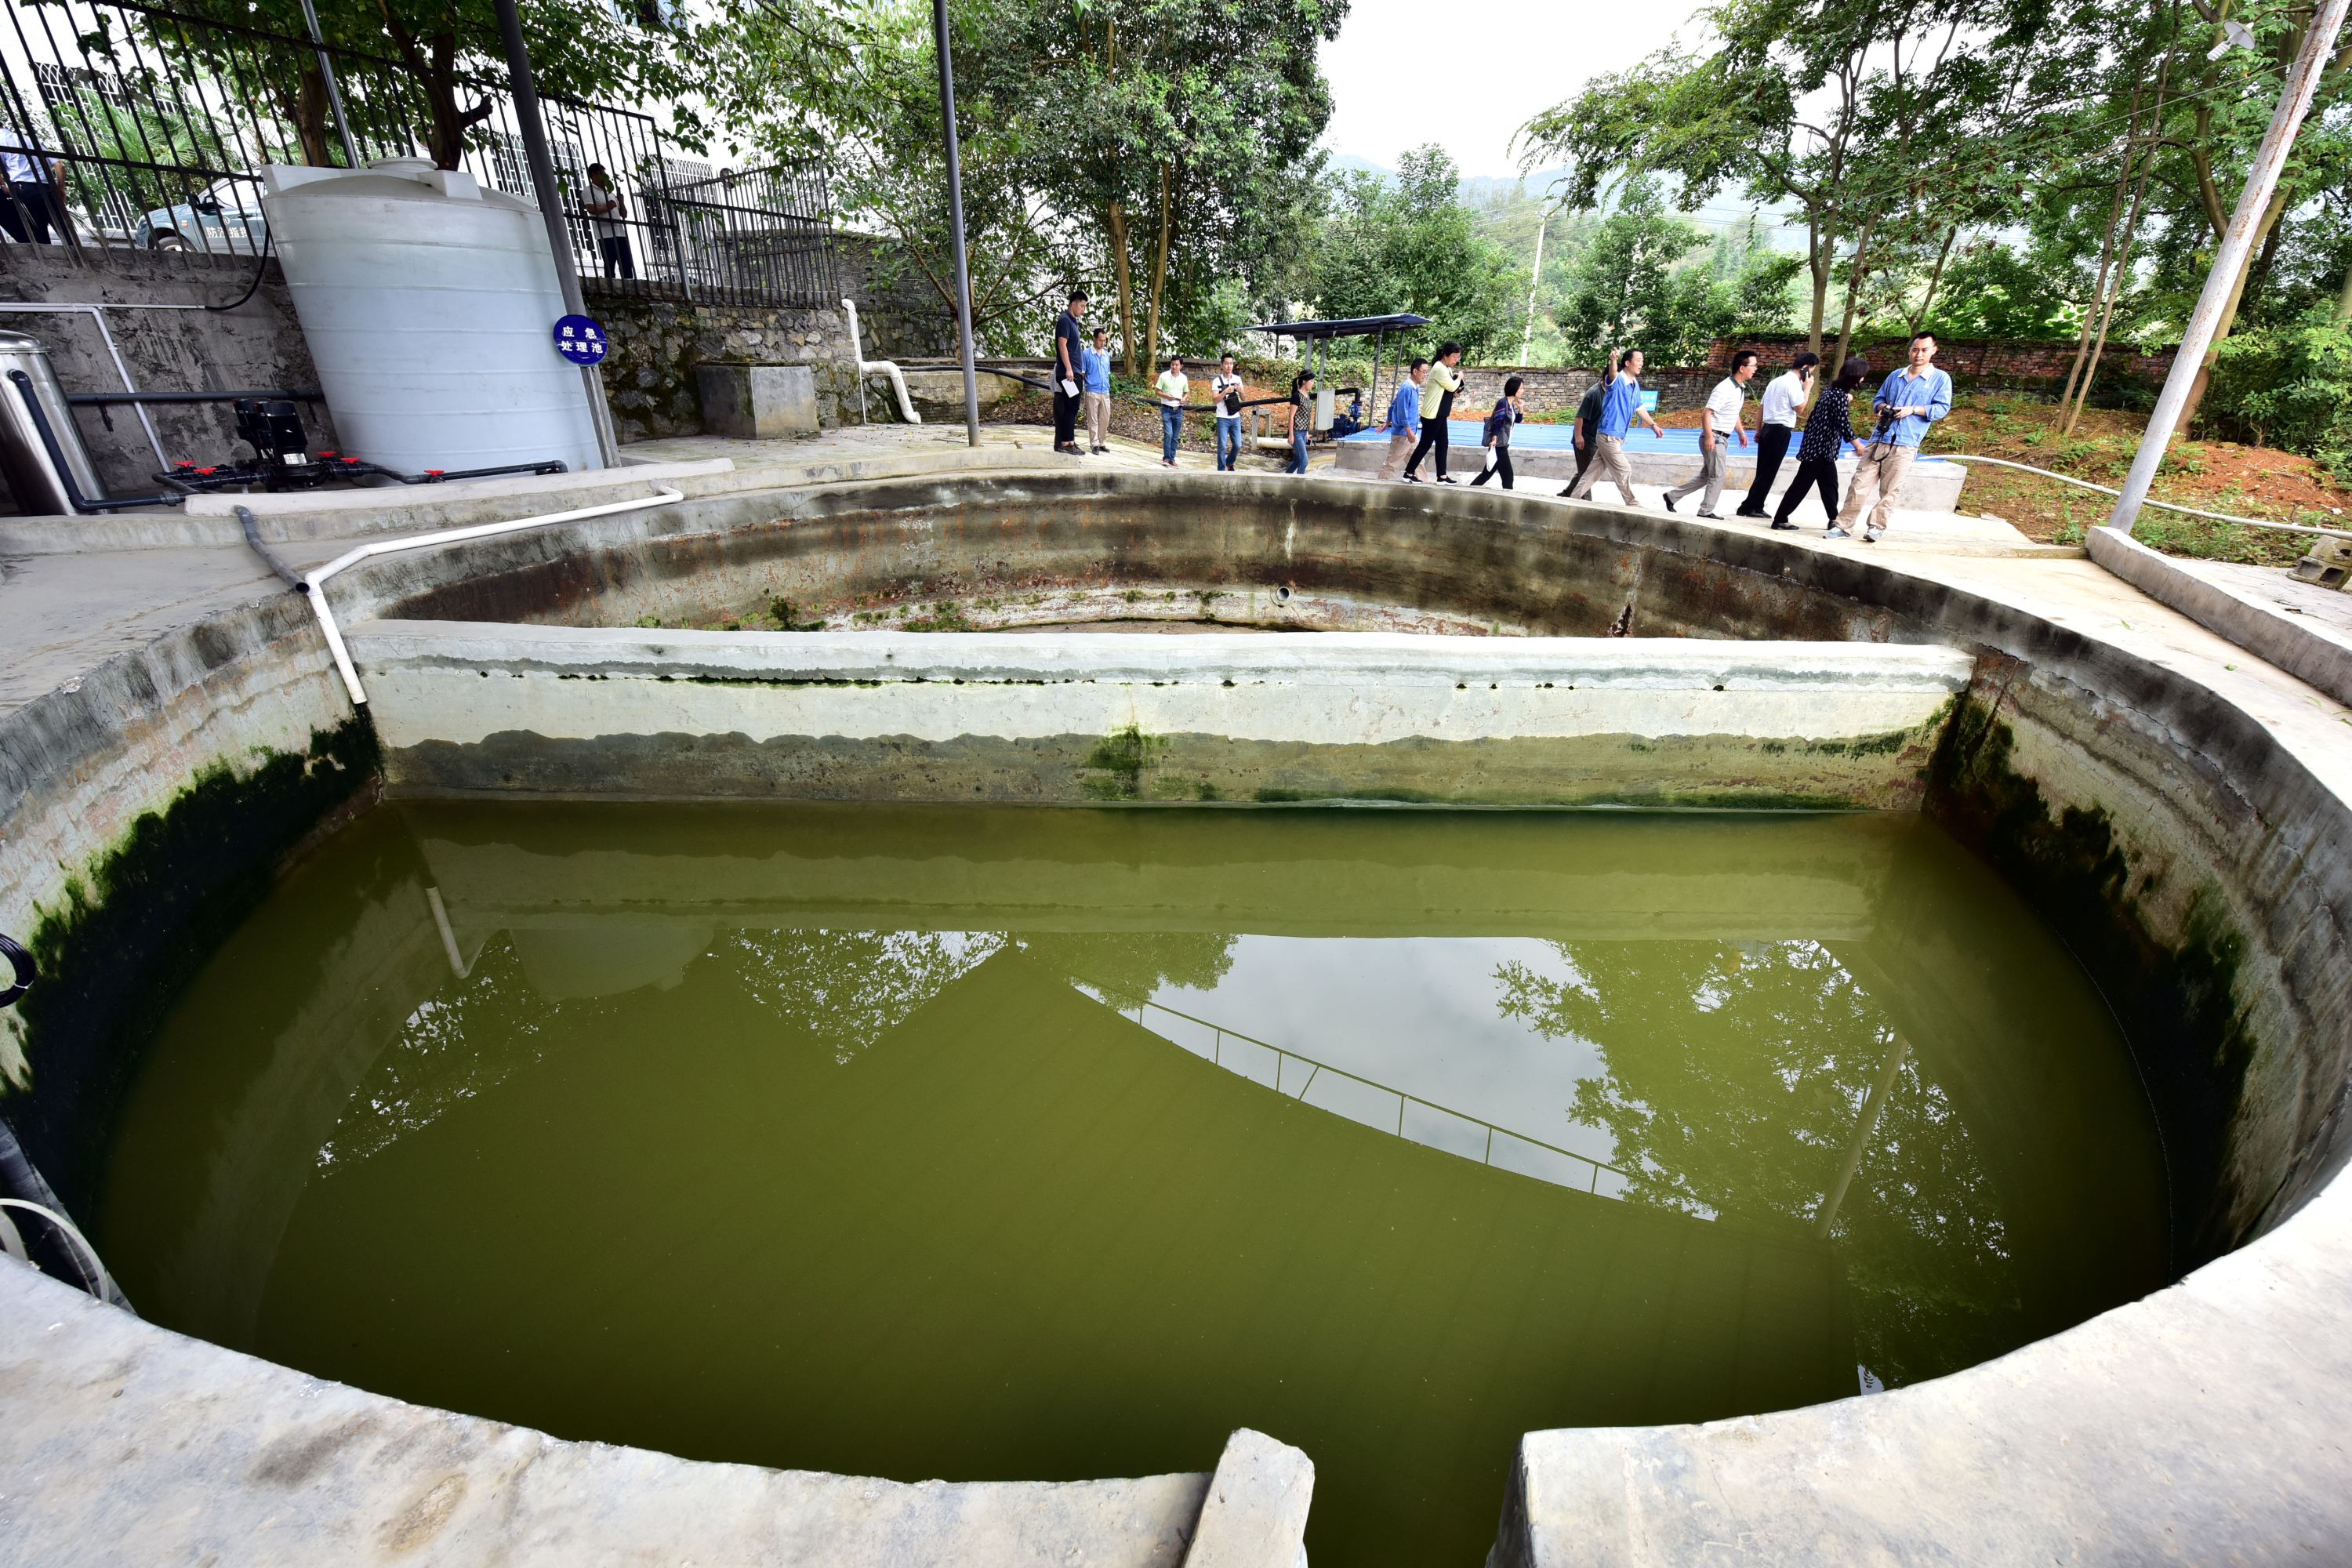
(314, 580)
(888, 367)
(97, 314)
(2161, 505)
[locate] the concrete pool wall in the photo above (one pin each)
(2195, 859)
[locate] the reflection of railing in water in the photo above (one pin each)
(1219, 1034)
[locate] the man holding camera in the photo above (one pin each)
(1908, 403)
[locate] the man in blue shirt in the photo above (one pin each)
(1908, 403)
(1620, 407)
(1097, 393)
(1404, 423)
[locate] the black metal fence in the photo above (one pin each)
(124, 124)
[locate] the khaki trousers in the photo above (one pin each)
(1710, 478)
(1400, 450)
(1607, 463)
(1878, 473)
(1099, 417)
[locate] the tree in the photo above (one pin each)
(1637, 285)
(1410, 244)
(448, 70)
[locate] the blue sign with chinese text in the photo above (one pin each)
(580, 340)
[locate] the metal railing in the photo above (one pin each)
(132, 125)
(1282, 1057)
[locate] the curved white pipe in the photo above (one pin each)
(314, 580)
(888, 367)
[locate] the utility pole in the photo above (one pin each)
(550, 210)
(955, 220)
(1528, 340)
(2230, 256)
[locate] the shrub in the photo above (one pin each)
(2289, 386)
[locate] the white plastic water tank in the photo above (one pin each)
(430, 307)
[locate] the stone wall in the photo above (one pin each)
(657, 340)
(169, 345)
(902, 316)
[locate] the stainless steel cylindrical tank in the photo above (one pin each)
(430, 306)
(33, 478)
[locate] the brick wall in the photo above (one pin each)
(1555, 389)
(2029, 364)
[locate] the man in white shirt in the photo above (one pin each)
(1722, 411)
(1784, 411)
(28, 203)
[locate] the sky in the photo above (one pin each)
(1495, 65)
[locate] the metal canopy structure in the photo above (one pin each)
(1376, 327)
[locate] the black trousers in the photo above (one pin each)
(1502, 465)
(1771, 446)
(619, 261)
(1584, 450)
(1433, 438)
(28, 209)
(1811, 471)
(1065, 417)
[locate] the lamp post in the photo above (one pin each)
(955, 221)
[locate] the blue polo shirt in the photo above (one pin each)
(1619, 406)
(1095, 362)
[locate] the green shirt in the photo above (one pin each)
(1172, 388)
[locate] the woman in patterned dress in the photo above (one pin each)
(1829, 432)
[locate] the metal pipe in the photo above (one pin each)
(550, 211)
(314, 580)
(74, 498)
(94, 399)
(334, 93)
(97, 314)
(955, 219)
(1872, 1109)
(2230, 258)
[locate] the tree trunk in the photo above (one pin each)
(2106, 255)
(310, 116)
(2119, 280)
(1935, 281)
(1817, 249)
(1159, 269)
(1854, 281)
(1117, 227)
(2344, 301)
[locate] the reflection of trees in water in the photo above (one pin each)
(458, 1043)
(1734, 1084)
(849, 988)
(1126, 967)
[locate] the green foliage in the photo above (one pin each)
(1636, 285)
(1993, 292)
(1410, 244)
(2290, 386)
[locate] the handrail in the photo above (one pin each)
(1220, 1031)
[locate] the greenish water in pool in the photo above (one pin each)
(1007, 1145)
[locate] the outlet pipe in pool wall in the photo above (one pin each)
(313, 583)
(867, 366)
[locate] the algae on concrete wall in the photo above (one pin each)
(137, 921)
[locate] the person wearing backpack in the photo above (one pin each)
(1508, 411)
